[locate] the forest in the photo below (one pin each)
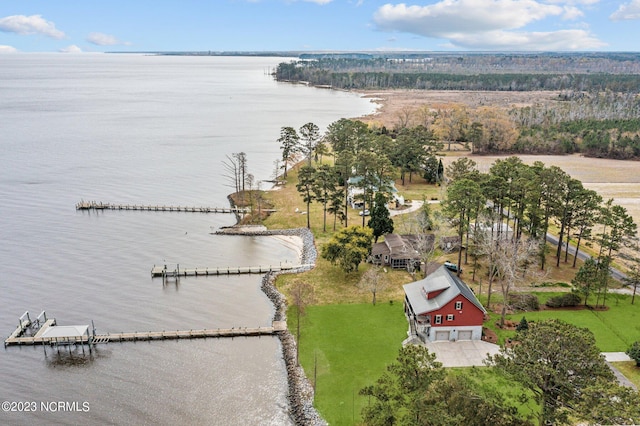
(596, 112)
(617, 72)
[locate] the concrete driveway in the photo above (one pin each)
(463, 353)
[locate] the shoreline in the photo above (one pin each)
(301, 392)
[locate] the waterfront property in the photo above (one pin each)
(401, 251)
(442, 307)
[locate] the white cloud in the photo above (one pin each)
(7, 49)
(629, 11)
(488, 24)
(511, 40)
(449, 16)
(574, 2)
(320, 2)
(71, 49)
(28, 25)
(571, 13)
(102, 39)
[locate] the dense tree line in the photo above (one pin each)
(594, 124)
(378, 74)
(617, 139)
(514, 205)
(477, 63)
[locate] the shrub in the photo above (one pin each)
(564, 300)
(552, 284)
(524, 302)
(634, 353)
(524, 325)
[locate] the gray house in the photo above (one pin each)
(400, 251)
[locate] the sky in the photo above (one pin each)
(318, 25)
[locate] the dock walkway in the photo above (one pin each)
(93, 205)
(162, 271)
(277, 326)
(139, 336)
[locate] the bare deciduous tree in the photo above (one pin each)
(373, 280)
(302, 295)
(511, 263)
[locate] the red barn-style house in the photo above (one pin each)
(442, 307)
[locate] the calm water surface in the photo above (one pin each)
(152, 130)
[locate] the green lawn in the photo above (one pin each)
(347, 347)
(614, 329)
(629, 370)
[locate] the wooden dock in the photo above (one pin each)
(92, 205)
(17, 337)
(278, 326)
(162, 271)
(138, 336)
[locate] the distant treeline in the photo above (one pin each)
(597, 113)
(468, 73)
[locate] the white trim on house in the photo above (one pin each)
(476, 332)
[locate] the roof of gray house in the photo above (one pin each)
(441, 279)
(398, 246)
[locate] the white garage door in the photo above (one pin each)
(465, 335)
(442, 335)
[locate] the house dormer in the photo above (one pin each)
(433, 294)
(443, 297)
(433, 291)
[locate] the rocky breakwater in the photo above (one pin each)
(300, 389)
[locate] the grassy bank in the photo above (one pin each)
(629, 370)
(344, 348)
(615, 329)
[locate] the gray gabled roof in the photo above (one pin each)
(398, 246)
(65, 331)
(440, 279)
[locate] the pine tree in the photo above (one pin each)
(380, 221)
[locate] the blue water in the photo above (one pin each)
(151, 130)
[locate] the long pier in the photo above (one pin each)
(278, 326)
(162, 271)
(40, 338)
(93, 205)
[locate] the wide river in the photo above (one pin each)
(146, 130)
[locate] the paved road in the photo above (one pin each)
(617, 275)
